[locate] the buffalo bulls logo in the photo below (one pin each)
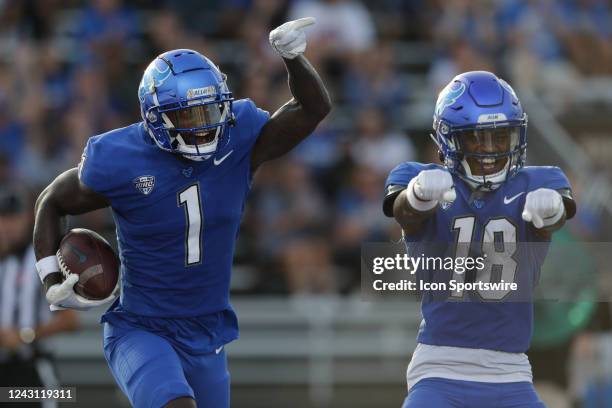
(449, 96)
(445, 205)
(144, 184)
(154, 76)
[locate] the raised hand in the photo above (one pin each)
(289, 39)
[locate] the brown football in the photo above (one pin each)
(87, 254)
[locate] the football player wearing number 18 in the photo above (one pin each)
(177, 184)
(471, 344)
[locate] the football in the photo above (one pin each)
(87, 254)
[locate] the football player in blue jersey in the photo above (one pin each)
(177, 183)
(471, 346)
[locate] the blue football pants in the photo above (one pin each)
(445, 393)
(152, 372)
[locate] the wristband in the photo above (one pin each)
(47, 266)
(417, 203)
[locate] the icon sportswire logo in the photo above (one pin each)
(511, 199)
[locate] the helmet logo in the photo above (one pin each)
(449, 96)
(155, 75)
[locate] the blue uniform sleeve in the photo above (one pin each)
(253, 120)
(92, 167)
(403, 173)
(401, 176)
(547, 177)
(259, 118)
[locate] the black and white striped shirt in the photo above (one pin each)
(22, 300)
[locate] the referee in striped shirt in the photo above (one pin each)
(25, 319)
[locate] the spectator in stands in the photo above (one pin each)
(166, 32)
(459, 56)
(535, 57)
(12, 139)
(585, 28)
(286, 203)
(358, 217)
(372, 80)
(345, 25)
(377, 147)
(105, 24)
(474, 19)
(307, 264)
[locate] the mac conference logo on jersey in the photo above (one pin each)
(144, 184)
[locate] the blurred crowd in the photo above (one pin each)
(70, 69)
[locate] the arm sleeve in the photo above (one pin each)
(568, 202)
(393, 190)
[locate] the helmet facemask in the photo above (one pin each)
(484, 156)
(195, 130)
(488, 153)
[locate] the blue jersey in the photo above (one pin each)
(176, 219)
(495, 323)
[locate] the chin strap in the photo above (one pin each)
(197, 158)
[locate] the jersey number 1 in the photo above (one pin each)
(190, 200)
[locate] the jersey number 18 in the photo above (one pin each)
(497, 247)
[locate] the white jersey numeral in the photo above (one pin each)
(189, 199)
(499, 244)
(465, 233)
(498, 248)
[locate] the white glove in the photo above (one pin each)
(289, 39)
(543, 207)
(429, 187)
(62, 296)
